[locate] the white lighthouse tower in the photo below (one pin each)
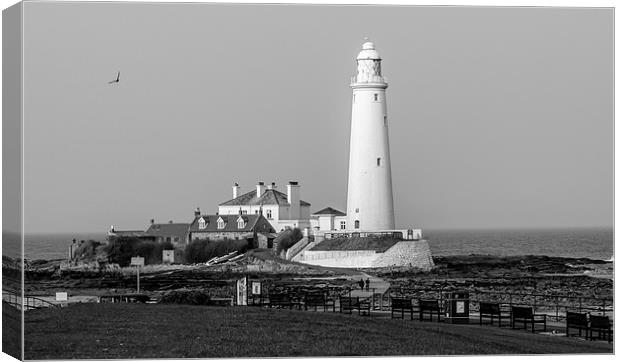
(370, 204)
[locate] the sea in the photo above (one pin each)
(593, 243)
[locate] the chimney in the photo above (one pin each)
(240, 212)
(292, 196)
(260, 189)
(197, 212)
(152, 221)
(272, 186)
(235, 190)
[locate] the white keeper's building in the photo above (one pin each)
(282, 210)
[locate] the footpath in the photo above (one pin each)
(376, 286)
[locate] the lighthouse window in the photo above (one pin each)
(376, 97)
(379, 161)
(357, 224)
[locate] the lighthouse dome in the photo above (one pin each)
(368, 52)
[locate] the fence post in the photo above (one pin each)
(373, 298)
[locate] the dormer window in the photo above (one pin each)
(268, 213)
(220, 223)
(202, 224)
(240, 223)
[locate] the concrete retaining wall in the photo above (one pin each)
(404, 253)
(339, 258)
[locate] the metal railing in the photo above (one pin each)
(27, 302)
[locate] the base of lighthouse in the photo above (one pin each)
(407, 253)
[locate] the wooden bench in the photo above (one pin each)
(601, 325)
(401, 305)
(576, 320)
(492, 310)
(526, 315)
(281, 300)
(348, 304)
(256, 300)
(429, 306)
(318, 300)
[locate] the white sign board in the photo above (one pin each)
(460, 306)
(256, 288)
(61, 296)
(137, 261)
(242, 291)
(168, 256)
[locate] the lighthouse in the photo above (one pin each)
(370, 204)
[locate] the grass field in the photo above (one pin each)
(87, 331)
(11, 330)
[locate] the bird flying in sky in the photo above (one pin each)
(118, 78)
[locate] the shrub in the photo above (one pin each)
(287, 238)
(192, 297)
(200, 251)
(121, 250)
(86, 250)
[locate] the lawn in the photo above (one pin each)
(88, 331)
(11, 330)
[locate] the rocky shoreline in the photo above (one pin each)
(515, 274)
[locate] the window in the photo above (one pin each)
(343, 225)
(268, 214)
(240, 223)
(202, 224)
(357, 224)
(378, 161)
(376, 97)
(168, 239)
(357, 210)
(176, 239)
(220, 223)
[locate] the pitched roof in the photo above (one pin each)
(127, 233)
(168, 229)
(269, 197)
(230, 223)
(329, 211)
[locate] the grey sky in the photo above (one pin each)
(500, 117)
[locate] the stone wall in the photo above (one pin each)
(407, 253)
